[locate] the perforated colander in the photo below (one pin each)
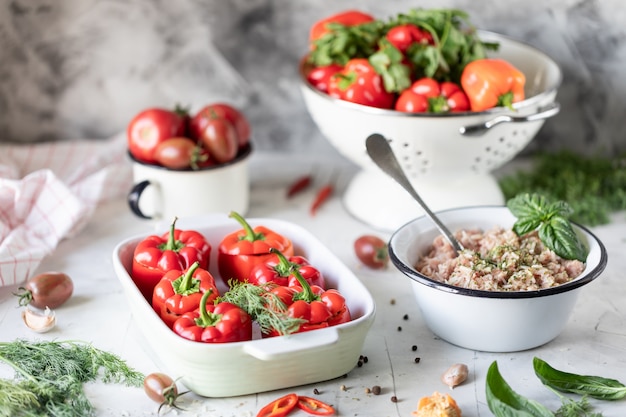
(448, 157)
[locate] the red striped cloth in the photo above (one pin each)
(48, 192)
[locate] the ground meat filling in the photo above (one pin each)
(497, 260)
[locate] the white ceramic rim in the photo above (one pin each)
(483, 35)
(424, 280)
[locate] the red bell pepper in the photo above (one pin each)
(280, 270)
(490, 83)
(241, 250)
(215, 323)
(428, 95)
(318, 308)
(176, 249)
(280, 407)
(345, 18)
(359, 83)
(180, 292)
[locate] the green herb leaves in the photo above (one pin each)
(555, 231)
(593, 386)
(50, 377)
(504, 402)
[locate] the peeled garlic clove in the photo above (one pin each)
(39, 321)
(455, 375)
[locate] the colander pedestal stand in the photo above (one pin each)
(377, 200)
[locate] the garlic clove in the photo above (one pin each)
(39, 321)
(455, 375)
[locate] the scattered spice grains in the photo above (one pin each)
(405, 317)
(399, 328)
(414, 348)
(368, 391)
(343, 388)
(417, 359)
(316, 391)
(376, 390)
(393, 301)
(394, 399)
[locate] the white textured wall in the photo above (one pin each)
(82, 68)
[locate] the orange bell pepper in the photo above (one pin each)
(492, 82)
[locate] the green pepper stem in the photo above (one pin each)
(250, 234)
(307, 293)
(206, 318)
(284, 266)
(188, 278)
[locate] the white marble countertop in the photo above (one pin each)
(594, 341)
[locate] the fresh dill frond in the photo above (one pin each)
(50, 376)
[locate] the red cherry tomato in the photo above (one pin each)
(411, 102)
(151, 127)
(456, 98)
(219, 138)
(48, 289)
(403, 36)
(372, 251)
(319, 77)
(237, 119)
(162, 389)
(178, 153)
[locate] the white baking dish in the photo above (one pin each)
(231, 369)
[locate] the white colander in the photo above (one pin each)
(448, 157)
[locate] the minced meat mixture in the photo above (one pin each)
(497, 260)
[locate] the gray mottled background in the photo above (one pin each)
(80, 69)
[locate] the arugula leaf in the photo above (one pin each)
(593, 386)
(343, 43)
(388, 63)
(555, 231)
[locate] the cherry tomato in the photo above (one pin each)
(403, 36)
(200, 121)
(151, 127)
(456, 98)
(346, 18)
(219, 138)
(178, 153)
(319, 77)
(162, 389)
(411, 102)
(372, 251)
(48, 289)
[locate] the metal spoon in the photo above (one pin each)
(381, 153)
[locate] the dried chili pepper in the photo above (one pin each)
(321, 197)
(299, 185)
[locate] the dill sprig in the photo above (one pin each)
(49, 377)
(263, 306)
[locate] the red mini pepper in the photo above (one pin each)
(215, 323)
(176, 249)
(492, 82)
(241, 250)
(428, 95)
(346, 18)
(279, 407)
(358, 82)
(280, 270)
(179, 292)
(318, 307)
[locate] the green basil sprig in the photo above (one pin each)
(555, 231)
(593, 386)
(504, 402)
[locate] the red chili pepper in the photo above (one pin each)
(492, 82)
(359, 83)
(180, 292)
(318, 307)
(280, 407)
(241, 250)
(215, 323)
(428, 95)
(299, 185)
(315, 406)
(279, 270)
(177, 250)
(322, 195)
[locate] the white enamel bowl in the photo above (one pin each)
(447, 168)
(231, 369)
(488, 320)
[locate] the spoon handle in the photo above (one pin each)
(380, 152)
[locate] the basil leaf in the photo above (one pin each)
(526, 225)
(528, 206)
(593, 386)
(558, 235)
(504, 402)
